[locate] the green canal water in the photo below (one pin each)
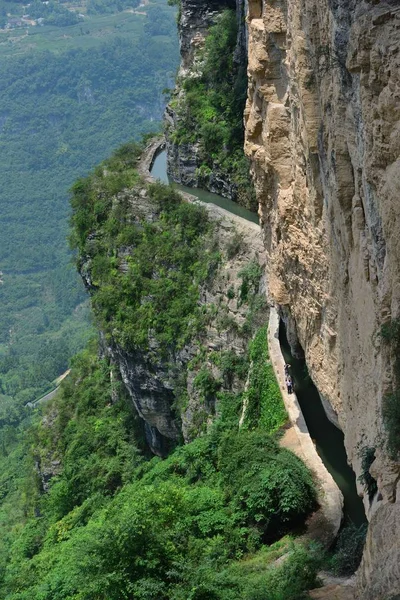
(159, 171)
(328, 439)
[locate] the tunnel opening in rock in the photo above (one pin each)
(328, 439)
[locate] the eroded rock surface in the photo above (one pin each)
(322, 132)
(333, 592)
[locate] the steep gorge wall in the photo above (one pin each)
(187, 158)
(322, 133)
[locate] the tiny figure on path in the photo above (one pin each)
(289, 384)
(287, 369)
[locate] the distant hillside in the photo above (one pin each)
(68, 96)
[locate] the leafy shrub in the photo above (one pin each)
(213, 137)
(250, 275)
(268, 486)
(206, 383)
(226, 322)
(230, 293)
(229, 409)
(265, 407)
(288, 581)
(234, 246)
(231, 365)
(193, 462)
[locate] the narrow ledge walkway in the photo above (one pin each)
(324, 524)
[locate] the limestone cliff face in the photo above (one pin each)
(184, 159)
(196, 17)
(322, 132)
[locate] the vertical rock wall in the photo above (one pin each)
(323, 135)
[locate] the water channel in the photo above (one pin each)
(328, 439)
(159, 171)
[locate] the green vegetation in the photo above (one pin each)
(263, 400)
(367, 456)
(16, 483)
(250, 276)
(85, 512)
(107, 7)
(69, 96)
(391, 403)
(206, 383)
(235, 245)
(146, 267)
(211, 109)
(155, 295)
(116, 523)
(98, 518)
(391, 417)
(52, 13)
(231, 365)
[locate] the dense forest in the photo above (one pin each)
(63, 110)
(116, 523)
(91, 514)
(86, 511)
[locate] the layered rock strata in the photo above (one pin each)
(322, 133)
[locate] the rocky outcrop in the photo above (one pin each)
(184, 158)
(196, 17)
(46, 460)
(322, 131)
(184, 163)
(163, 387)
